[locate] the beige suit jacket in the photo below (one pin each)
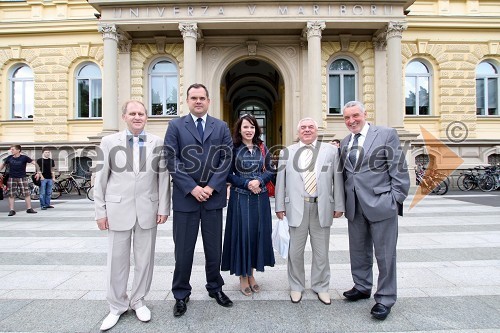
(124, 196)
(290, 191)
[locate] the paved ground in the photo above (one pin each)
(52, 273)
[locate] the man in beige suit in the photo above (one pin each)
(132, 196)
(310, 192)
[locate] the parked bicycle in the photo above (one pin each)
(485, 178)
(432, 180)
(73, 182)
(490, 180)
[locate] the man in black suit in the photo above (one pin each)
(198, 150)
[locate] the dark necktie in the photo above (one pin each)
(199, 127)
(354, 149)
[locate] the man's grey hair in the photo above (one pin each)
(304, 119)
(351, 104)
(125, 105)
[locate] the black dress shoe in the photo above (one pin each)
(221, 298)
(380, 311)
(180, 306)
(355, 295)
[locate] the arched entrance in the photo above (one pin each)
(255, 86)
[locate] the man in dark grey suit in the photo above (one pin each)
(198, 149)
(376, 183)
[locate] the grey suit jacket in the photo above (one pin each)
(380, 178)
(122, 195)
(290, 191)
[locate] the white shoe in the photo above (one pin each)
(109, 321)
(143, 313)
(295, 296)
(324, 298)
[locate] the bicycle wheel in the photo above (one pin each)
(35, 192)
(90, 193)
(487, 183)
(66, 185)
(441, 188)
(56, 191)
(466, 182)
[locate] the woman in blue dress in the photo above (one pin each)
(247, 239)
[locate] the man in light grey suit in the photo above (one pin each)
(310, 192)
(132, 196)
(376, 184)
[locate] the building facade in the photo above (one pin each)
(66, 67)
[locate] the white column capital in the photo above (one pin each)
(396, 28)
(108, 31)
(189, 29)
(124, 45)
(314, 28)
(380, 42)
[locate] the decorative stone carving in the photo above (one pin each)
(213, 53)
(314, 28)
(252, 47)
(380, 42)
(395, 29)
(16, 51)
(108, 31)
(124, 46)
(189, 30)
(160, 43)
(291, 52)
(344, 42)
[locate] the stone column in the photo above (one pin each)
(381, 112)
(395, 74)
(110, 108)
(315, 104)
(190, 35)
(124, 73)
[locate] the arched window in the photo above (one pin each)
(417, 89)
(89, 91)
(342, 83)
(164, 88)
(494, 159)
(487, 89)
(22, 92)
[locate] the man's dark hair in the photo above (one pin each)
(196, 86)
(18, 147)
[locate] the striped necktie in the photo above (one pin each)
(310, 183)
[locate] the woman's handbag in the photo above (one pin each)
(269, 184)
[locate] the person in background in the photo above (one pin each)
(247, 240)
(17, 178)
(335, 142)
(47, 177)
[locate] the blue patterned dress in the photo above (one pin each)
(247, 238)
